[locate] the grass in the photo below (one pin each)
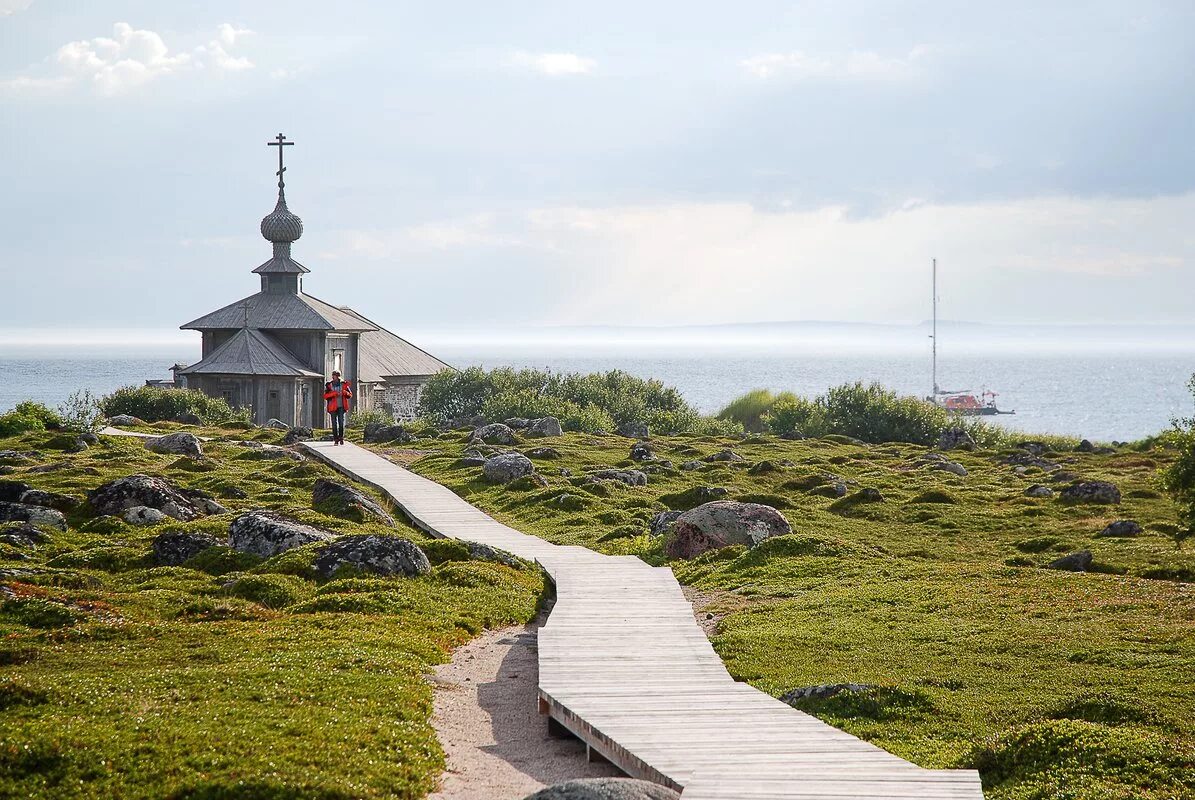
(227, 677)
(1052, 684)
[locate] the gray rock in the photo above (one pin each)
(265, 534)
(723, 455)
(955, 439)
(1037, 490)
(544, 427)
(17, 456)
(1085, 447)
(472, 461)
(822, 691)
(543, 452)
(142, 490)
(517, 423)
(631, 477)
(1062, 476)
(1033, 448)
(633, 430)
(952, 467)
(691, 465)
(143, 515)
(125, 419)
(834, 489)
(276, 424)
(183, 444)
(661, 521)
(34, 515)
(172, 548)
(721, 524)
(1074, 562)
(1100, 492)
(379, 434)
(61, 502)
(506, 467)
(1122, 529)
(495, 433)
(12, 491)
(484, 552)
(189, 418)
(642, 451)
(24, 534)
(378, 555)
(605, 789)
(299, 433)
(341, 500)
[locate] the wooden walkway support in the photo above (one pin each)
(625, 667)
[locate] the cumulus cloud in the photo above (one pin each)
(554, 64)
(131, 57)
(859, 65)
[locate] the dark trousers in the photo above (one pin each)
(337, 425)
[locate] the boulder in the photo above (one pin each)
(605, 789)
(189, 418)
(642, 451)
(955, 439)
(544, 427)
(495, 433)
(1085, 446)
(183, 444)
(472, 461)
(517, 423)
(23, 534)
(265, 534)
(506, 467)
(172, 548)
(143, 515)
(631, 477)
(341, 500)
(299, 433)
(125, 419)
(1074, 562)
(952, 467)
(60, 502)
(691, 465)
(276, 424)
(633, 430)
(721, 524)
(543, 452)
(34, 515)
(1101, 492)
(378, 434)
(662, 521)
(1037, 490)
(377, 555)
(142, 490)
(723, 455)
(11, 491)
(1122, 529)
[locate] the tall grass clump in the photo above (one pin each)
(752, 409)
(155, 404)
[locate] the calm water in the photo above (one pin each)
(1098, 395)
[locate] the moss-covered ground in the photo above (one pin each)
(226, 677)
(1053, 684)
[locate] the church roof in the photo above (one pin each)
(282, 263)
(281, 311)
(381, 354)
(250, 352)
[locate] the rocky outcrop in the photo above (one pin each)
(183, 444)
(22, 534)
(297, 434)
(494, 433)
(1037, 490)
(34, 515)
(341, 500)
(1074, 562)
(605, 789)
(631, 477)
(544, 427)
(721, 524)
(265, 534)
(956, 439)
(376, 555)
(1100, 492)
(506, 467)
(517, 423)
(142, 490)
(172, 548)
(143, 515)
(1122, 529)
(125, 419)
(59, 502)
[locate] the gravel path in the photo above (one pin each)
(486, 718)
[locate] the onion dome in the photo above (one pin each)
(281, 226)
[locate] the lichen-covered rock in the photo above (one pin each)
(642, 451)
(143, 515)
(299, 433)
(722, 524)
(265, 534)
(691, 465)
(1122, 529)
(1037, 490)
(544, 427)
(543, 453)
(1101, 492)
(22, 534)
(380, 434)
(125, 419)
(494, 433)
(142, 490)
(605, 789)
(182, 443)
(34, 515)
(955, 439)
(631, 477)
(952, 467)
(506, 467)
(172, 548)
(723, 455)
(60, 502)
(661, 521)
(633, 430)
(276, 425)
(377, 555)
(472, 461)
(341, 500)
(11, 491)
(1073, 562)
(483, 552)
(517, 423)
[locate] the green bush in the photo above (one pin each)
(155, 404)
(80, 413)
(363, 419)
(1178, 479)
(751, 409)
(791, 415)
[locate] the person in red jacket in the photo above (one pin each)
(338, 393)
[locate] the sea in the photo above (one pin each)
(1106, 389)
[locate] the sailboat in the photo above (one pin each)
(959, 401)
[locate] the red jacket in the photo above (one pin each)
(338, 401)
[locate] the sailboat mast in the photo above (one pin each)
(934, 334)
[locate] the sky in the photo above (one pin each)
(614, 163)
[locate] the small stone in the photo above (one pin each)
(723, 455)
(1121, 529)
(642, 451)
(23, 534)
(720, 524)
(1085, 446)
(125, 419)
(35, 515)
(631, 477)
(952, 467)
(341, 500)
(662, 521)
(605, 789)
(1101, 492)
(822, 691)
(299, 433)
(189, 418)
(1074, 562)
(185, 444)
(1037, 490)
(691, 465)
(543, 453)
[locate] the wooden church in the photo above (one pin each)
(272, 351)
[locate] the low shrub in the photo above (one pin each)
(157, 404)
(29, 416)
(753, 409)
(271, 591)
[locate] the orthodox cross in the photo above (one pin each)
(280, 143)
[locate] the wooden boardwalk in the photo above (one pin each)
(625, 667)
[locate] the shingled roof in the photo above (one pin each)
(381, 354)
(250, 352)
(281, 311)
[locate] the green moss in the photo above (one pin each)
(221, 560)
(271, 591)
(37, 613)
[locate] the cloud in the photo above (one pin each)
(130, 58)
(554, 64)
(9, 7)
(856, 65)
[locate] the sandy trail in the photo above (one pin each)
(486, 717)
